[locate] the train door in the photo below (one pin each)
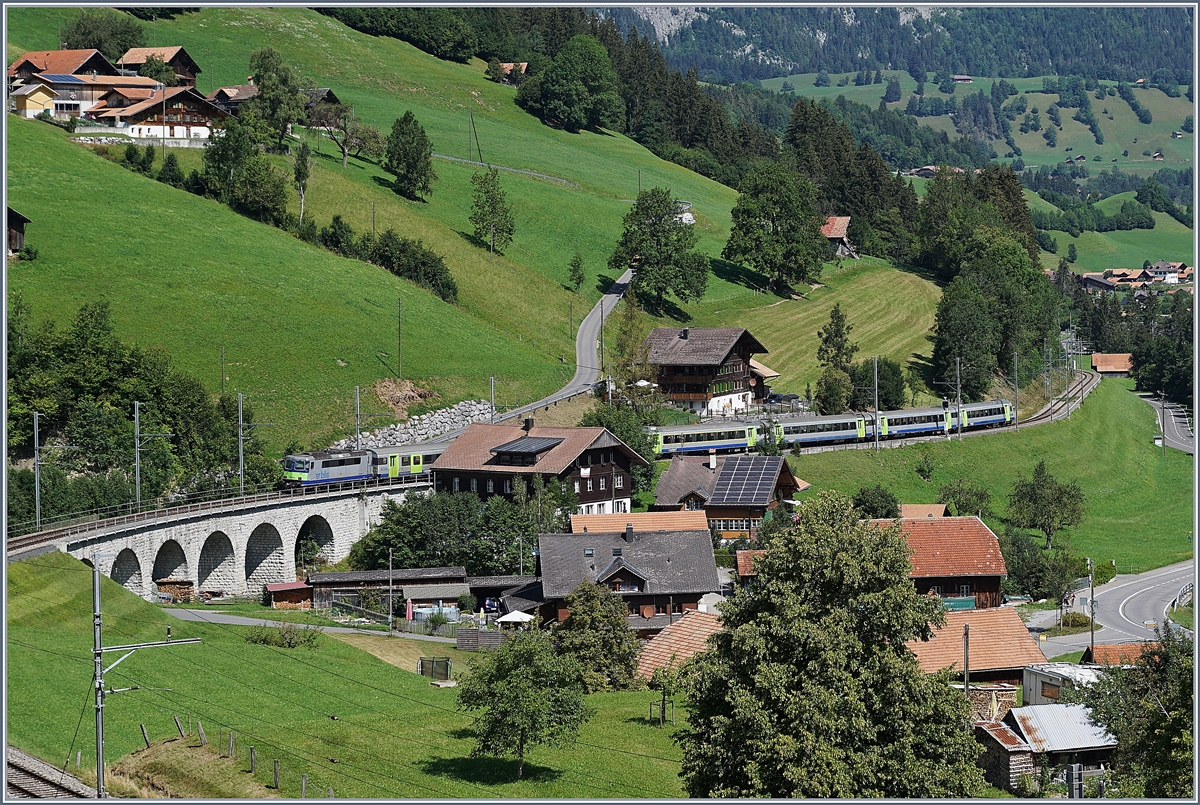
(1008, 413)
(751, 436)
(966, 419)
(418, 464)
(883, 426)
(861, 429)
(393, 465)
(658, 443)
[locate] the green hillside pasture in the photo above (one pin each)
(890, 309)
(1168, 240)
(1139, 503)
(300, 326)
(395, 735)
(383, 77)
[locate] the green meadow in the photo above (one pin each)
(394, 735)
(1139, 503)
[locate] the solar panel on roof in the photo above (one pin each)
(528, 445)
(746, 480)
(60, 79)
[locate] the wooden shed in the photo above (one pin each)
(16, 230)
(291, 595)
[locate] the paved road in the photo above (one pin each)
(1179, 434)
(1123, 607)
(206, 616)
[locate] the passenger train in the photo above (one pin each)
(338, 466)
(743, 434)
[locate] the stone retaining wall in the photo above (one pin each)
(424, 426)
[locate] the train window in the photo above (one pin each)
(404, 461)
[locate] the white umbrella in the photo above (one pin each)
(515, 617)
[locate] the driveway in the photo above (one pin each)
(205, 616)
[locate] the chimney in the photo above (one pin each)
(683, 333)
(629, 532)
(712, 458)
(528, 424)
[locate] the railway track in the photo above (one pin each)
(27, 777)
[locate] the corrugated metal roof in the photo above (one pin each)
(1080, 674)
(1060, 728)
(1004, 736)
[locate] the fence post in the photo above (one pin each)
(303, 786)
(276, 774)
(200, 730)
(231, 743)
(145, 736)
(253, 764)
(179, 727)
(331, 792)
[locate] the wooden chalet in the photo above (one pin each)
(59, 62)
(659, 574)
(230, 99)
(736, 493)
(1000, 646)
(955, 558)
(835, 231)
(175, 57)
(491, 459)
(705, 369)
(175, 112)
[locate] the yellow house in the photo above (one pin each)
(33, 99)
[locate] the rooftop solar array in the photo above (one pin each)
(61, 79)
(527, 445)
(746, 481)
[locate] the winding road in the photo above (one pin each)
(1178, 433)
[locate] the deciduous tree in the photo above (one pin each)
(490, 211)
(597, 634)
(833, 391)
(154, 67)
(524, 695)
(966, 498)
(1044, 503)
(876, 502)
(409, 157)
(302, 164)
(110, 32)
(660, 244)
(809, 689)
(280, 100)
(577, 90)
(575, 272)
(776, 230)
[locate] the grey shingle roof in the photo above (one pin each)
(499, 581)
(684, 475)
(523, 598)
(746, 481)
(703, 346)
(430, 592)
(398, 575)
(670, 561)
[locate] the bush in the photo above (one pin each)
(925, 466)
(436, 620)
(1104, 573)
(467, 603)
(1074, 620)
(28, 253)
(287, 636)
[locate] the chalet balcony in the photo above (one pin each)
(689, 396)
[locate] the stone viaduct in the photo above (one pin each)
(233, 546)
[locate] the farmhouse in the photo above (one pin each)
(678, 642)
(642, 521)
(955, 558)
(1095, 281)
(910, 511)
(736, 492)
(1166, 272)
(187, 114)
(1116, 653)
(705, 369)
(659, 574)
(999, 646)
(230, 99)
(1113, 364)
(963, 79)
(491, 459)
(176, 58)
(59, 62)
(835, 231)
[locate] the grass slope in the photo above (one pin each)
(395, 735)
(300, 326)
(1139, 503)
(1097, 251)
(1120, 132)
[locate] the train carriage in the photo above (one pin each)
(986, 414)
(911, 422)
(328, 467)
(822, 429)
(722, 435)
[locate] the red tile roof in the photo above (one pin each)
(682, 639)
(999, 641)
(139, 55)
(836, 226)
(745, 562)
(951, 546)
(1117, 653)
(641, 521)
(55, 62)
(1112, 361)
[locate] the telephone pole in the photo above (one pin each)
(358, 418)
(242, 426)
(1092, 603)
(492, 385)
(1016, 393)
(98, 651)
(390, 607)
(139, 441)
(399, 319)
(876, 428)
(958, 388)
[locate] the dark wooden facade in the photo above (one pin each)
(16, 230)
(985, 589)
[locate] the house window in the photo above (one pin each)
(587, 509)
(619, 481)
(936, 589)
(1049, 690)
(660, 609)
(601, 483)
(508, 486)
(621, 507)
(588, 552)
(616, 551)
(577, 487)
(589, 484)
(964, 590)
(491, 485)
(474, 485)
(456, 484)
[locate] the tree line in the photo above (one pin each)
(83, 380)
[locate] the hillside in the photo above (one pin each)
(393, 736)
(1104, 445)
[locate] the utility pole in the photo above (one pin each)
(958, 388)
(492, 384)
(1162, 423)
(222, 371)
(399, 320)
(875, 360)
(967, 660)
(98, 651)
(1092, 603)
(602, 346)
(139, 441)
(390, 607)
(357, 422)
(241, 445)
(1049, 377)
(1016, 393)
(571, 317)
